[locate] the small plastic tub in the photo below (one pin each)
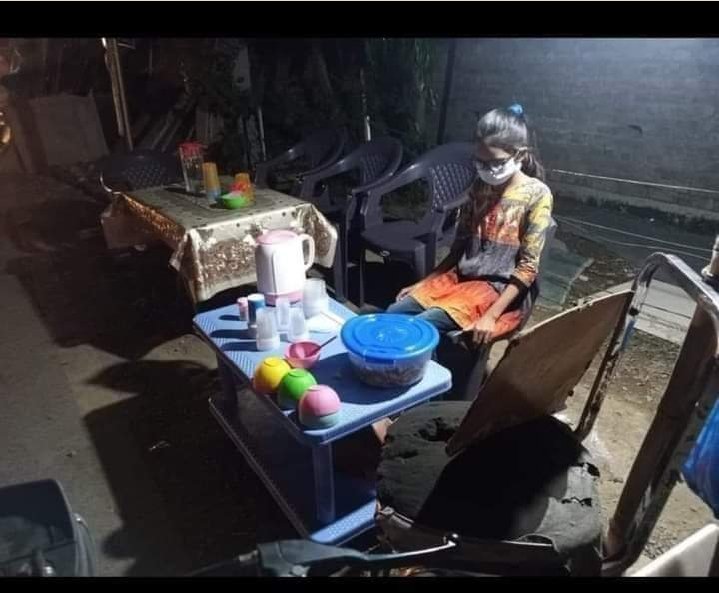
(388, 349)
(303, 355)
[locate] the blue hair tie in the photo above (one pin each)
(516, 109)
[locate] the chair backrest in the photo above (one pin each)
(324, 147)
(140, 169)
(376, 161)
(448, 170)
(540, 368)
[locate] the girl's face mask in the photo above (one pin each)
(492, 174)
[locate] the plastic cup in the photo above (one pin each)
(297, 331)
(267, 336)
(243, 306)
(282, 309)
(255, 302)
(213, 190)
(314, 297)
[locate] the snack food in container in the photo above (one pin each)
(389, 349)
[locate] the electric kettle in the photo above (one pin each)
(281, 264)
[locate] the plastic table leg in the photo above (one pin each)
(324, 482)
(229, 387)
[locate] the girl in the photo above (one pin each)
(486, 284)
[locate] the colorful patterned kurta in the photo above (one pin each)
(500, 243)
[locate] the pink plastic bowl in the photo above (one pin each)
(303, 355)
(319, 400)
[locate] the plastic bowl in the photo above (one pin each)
(303, 355)
(293, 386)
(389, 350)
(319, 407)
(269, 375)
(234, 201)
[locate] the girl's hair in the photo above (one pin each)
(507, 129)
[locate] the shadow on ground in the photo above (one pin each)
(186, 497)
(86, 295)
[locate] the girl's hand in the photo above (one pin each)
(483, 328)
(405, 291)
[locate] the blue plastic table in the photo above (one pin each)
(296, 464)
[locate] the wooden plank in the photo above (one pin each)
(540, 368)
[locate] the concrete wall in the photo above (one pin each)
(637, 110)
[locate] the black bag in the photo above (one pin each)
(40, 535)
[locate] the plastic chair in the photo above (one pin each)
(319, 150)
(449, 172)
(376, 162)
(138, 170)
(457, 350)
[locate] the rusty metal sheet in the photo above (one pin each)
(540, 368)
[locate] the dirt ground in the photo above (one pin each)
(122, 338)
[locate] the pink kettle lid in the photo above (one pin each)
(275, 237)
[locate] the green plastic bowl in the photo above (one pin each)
(293, 387)
(233, 202)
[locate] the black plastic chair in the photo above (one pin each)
(376, 162)
(449, 171)
(456, 349)
(138, 170)
(319, 150)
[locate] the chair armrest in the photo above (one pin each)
(370, 210)
(262, 170)
(311, 178)
(331, 159)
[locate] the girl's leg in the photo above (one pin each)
(407, 305)
(434, 315)
(437, 317)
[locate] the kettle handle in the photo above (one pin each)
(305, 238)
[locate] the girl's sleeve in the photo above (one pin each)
(466, 223)
(538, 221)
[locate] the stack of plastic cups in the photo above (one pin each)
(255, 302)
(297, 331)
(243, 308)
(282, 309)
(314, 297)
(213, 189)
(266, 335)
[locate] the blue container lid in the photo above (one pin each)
(389, 337)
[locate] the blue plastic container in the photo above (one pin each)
(701, 469)
(388, 349)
